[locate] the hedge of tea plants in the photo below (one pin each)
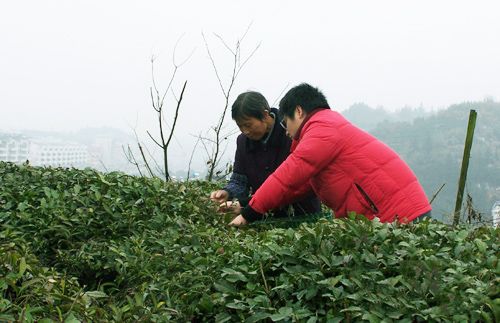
(83, 246)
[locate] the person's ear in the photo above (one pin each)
(300, 112)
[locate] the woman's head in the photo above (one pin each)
(251, 112)
(249, 105)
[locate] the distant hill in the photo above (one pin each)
(433, 147)
(368, 118)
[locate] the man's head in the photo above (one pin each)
(251, 112)
(297, 103)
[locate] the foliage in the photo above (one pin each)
(84, 246)
(369, 118)
(433, 147)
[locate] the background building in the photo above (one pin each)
(495, 213)
(43, 151)
(14, 148)
(51, 152)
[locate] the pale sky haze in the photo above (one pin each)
(67, 64)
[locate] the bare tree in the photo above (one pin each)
(163, 144)
(158, 103)
(216, 151)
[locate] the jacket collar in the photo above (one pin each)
(309, 115)
(274, 139)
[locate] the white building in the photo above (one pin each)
(14, 148)
(58, 154)
(495, 213)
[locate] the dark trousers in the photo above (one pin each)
(426, 215)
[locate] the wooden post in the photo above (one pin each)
(465, 166)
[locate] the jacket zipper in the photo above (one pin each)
(373, 207)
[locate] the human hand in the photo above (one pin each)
(230, 206)
(238, 221)
(219, 196)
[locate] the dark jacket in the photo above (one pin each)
(256, 160)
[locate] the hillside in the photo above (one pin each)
(433, 147)
(82, 246)
(369, 118)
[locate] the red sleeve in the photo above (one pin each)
(318, 147)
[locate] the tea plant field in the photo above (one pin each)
(83, 246)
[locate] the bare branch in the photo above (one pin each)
(187, 58)
(152, 99)
(176, 114)
(153, 159)
(102, 164)
(208, 139)
(246, 31)
(156, 142)
(140, 150)
(168, 86)
(130, 157)
(176, 66)
(175, 50)
(221, 154)
(175, 98)
(153, 72)
(164, 147)
(206, 148)
(217, 153)
(281, 93)
(125, 153)
(224, 43)
(158, 168)
(159, 104)
(160, 171)
(213, 64)
(145, 160)
(231, 133)
(191, 158)
(246, 60)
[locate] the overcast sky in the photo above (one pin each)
(69, 64)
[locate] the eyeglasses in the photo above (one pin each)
(283, 123)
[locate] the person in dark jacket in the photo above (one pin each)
(261, 147)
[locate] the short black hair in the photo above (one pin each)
(305, 95)
(249, 104)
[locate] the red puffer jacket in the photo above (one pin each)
(348, 169)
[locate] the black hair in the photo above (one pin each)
(305, 95)
(249, 105)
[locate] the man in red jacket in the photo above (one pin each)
(347, 168)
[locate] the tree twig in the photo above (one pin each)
(436, 194)
(191, 158)
(145, 160)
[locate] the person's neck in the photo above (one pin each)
(304, 121)
(270, 122)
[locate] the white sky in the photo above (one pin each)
(69, 64)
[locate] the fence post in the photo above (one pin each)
(465, 166)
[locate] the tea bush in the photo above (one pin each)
(79, 245)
